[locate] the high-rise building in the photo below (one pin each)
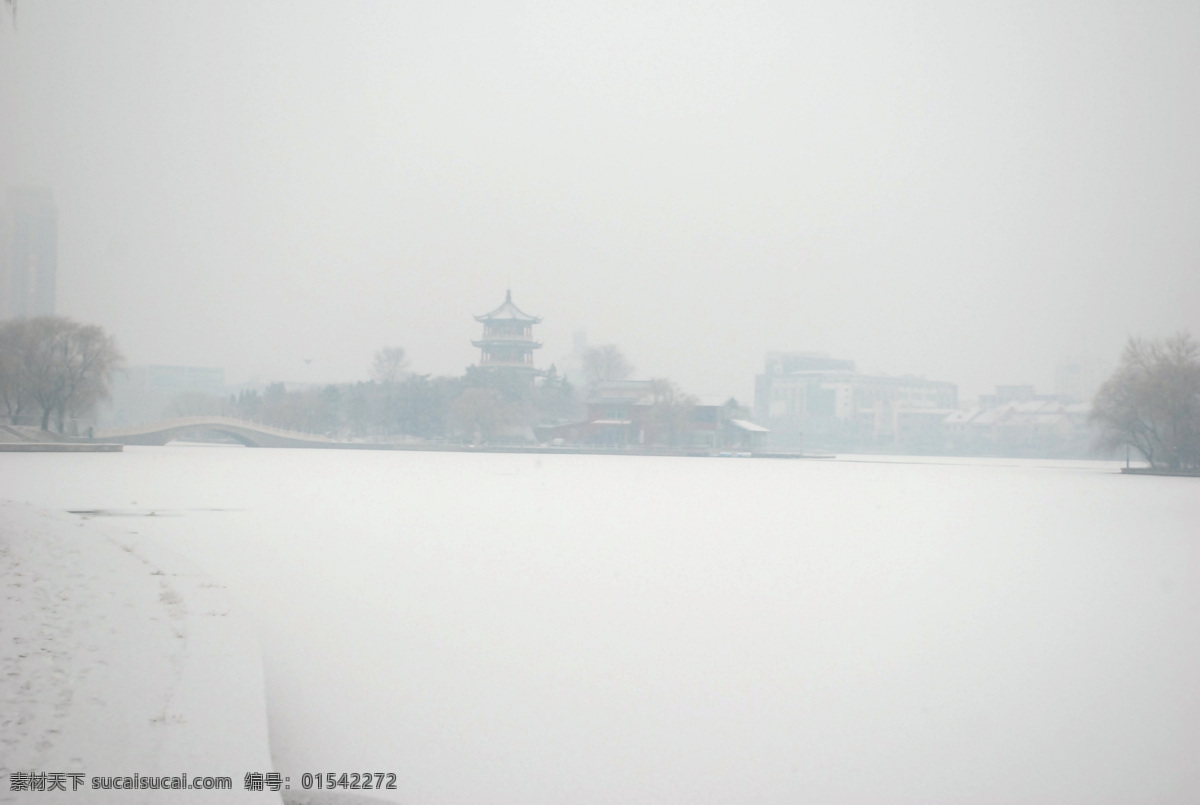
(28, 253)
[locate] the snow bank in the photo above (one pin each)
(119, 659)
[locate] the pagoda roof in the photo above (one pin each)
(508, 312)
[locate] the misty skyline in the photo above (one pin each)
(967, 194)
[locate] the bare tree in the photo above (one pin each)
(44, 357)
(1152, 401)
(14, 381)
(605, 363)
(390, 365)
(669, 420)
(481, 413)
(387, 371)
(57, 366)
(90, 358)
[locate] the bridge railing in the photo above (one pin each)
(213, 422)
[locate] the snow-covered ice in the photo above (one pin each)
(548, 629)
(119, 659)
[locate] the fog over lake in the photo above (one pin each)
(549, 629)
(970, 192)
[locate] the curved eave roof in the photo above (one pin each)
(508, 312)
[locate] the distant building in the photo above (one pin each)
(1078, 379)
(570, 366)
(786, 363)
(621, 413)
(507, 341)
(28, 253)
(1019, 394)
(809, 399)
(615, 413)
(150, 393)
(1027, 424)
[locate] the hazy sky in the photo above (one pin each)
(966, 191)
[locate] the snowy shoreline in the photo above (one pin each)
(119, 658)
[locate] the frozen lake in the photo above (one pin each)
(589, 629)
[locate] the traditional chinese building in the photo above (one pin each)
(507, 341)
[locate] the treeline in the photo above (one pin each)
(54, 370)
(481, 405)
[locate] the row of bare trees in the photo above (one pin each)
(54, 370)
(482, 405)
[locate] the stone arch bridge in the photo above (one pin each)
(251, 434)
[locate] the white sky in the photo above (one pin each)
(970, 192)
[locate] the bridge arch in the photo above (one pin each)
(250, 434)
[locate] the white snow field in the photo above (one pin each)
(588, 629)
(118, 658)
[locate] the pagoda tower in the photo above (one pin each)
(507, 341)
